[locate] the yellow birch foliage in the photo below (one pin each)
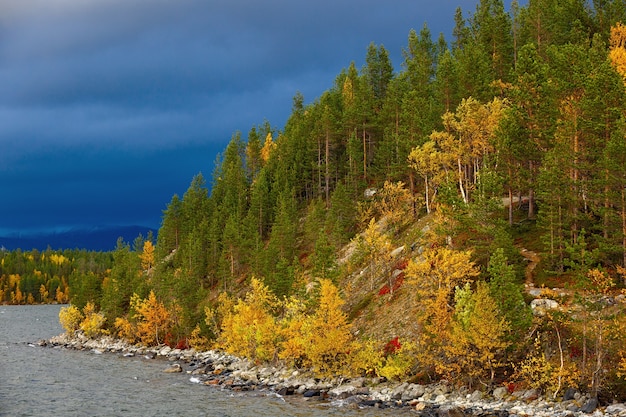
(440, 268)
(125, 329)
(478, 334)
(393, 202)
(376, 246)
(153, 319)
(58, 259)
(215, 316)
(92, 324)
(600, 281)
(427, 161)
(62, 297)
(70, 318)
(546, 374)
(197, 341)
(617, 51)
(17, 297)
(433, 279)
(147, 256)
(293, 343)
(43, 292)
(250, 330)
(369, 358)
(268, 147)
(328, 337)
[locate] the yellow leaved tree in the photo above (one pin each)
(154, 320)
(428, 162)
(70, 318)
(93, 323)
(147, 256)
(375, 245)
(478, 334)
(268, 147)
(293, 343)
(151, 320)
(617, 52)
(249, 329)
(433, 279)
(327, 336)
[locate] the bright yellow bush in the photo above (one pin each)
(197, 341)
(477, 340)
(367, 358)
(293, 344)
(250, 330)
(153, 319)
(70, 318)
(397, 365)
(542, 373)
(93, 323)
(125, 329)
(327, 334)
(370, 358)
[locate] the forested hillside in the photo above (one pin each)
(408, 193)
(33, 277)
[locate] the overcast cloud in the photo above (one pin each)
(109, 107)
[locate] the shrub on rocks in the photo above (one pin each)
(70, 318)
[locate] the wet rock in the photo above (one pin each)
(311, 393)
(570, 405)
(450, 411)
(398, 391)
(286, 391)
(343, 391)
(619, 409)
(569, 394)
(590, 406)
(475, 396)
(530, 395)
(370, 403)
(173, 369)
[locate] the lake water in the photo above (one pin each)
(36, 381)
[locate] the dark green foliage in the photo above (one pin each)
(125, 279)
(508, 295)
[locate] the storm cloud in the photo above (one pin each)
(109, 107)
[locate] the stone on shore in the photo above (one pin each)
(173, 369)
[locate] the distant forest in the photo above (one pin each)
(511, 133)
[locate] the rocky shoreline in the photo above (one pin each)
(227, 372)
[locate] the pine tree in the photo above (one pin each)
(508, 296)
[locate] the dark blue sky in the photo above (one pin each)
(109, 107)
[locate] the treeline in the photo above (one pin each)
(515, 129)
(41, 277)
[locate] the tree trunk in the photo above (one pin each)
(327, 172)
(461, 187)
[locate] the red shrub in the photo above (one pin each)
(392, 346)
